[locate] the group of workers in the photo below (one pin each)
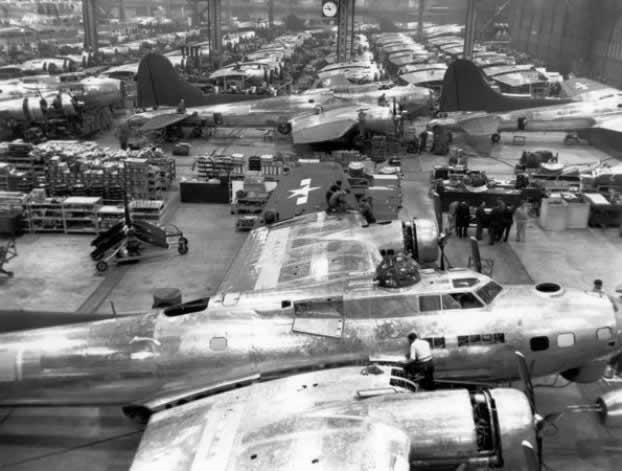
(498, 221)
(336, 202)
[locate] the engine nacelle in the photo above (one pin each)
(421, 239)
(586, 374)
(25, 109)
(611, 408)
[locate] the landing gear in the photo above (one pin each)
(101, 266)
(495, 138)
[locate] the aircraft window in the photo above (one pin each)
(436, 342)
(464, 282)
(604, 333)
(565, 340)
(461, 301)
(430, 303)
(218, 344)
(489, 291)
(483, 339)
(539, 344)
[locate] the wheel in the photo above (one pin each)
(284, 128)
(495, 138)
(101, 266)
(182, 248)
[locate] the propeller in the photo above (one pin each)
(534, 458)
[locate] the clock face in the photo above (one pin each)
(329, 9)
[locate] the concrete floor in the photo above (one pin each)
(54, 272)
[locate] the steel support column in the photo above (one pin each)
(214, 16)
(345, 30)
(89, 19)
(271, 13)
(469, 29)
(122, 10)
(420, 21)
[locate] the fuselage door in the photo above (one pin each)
(319, 316)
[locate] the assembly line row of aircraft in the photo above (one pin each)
(317, 115)
(294, 362)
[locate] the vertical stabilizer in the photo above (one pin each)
(465, 88)
(159, 84)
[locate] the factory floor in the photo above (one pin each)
(54, 272)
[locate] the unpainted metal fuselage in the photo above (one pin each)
(238, 334)
(269, 112)
(576, 116)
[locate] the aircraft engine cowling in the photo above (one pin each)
(587, 373)
(68, 104)
(421, 239)
(34, 108)
(438, 430)
(611, 408)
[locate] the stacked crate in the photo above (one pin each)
(140, 179)
(5, 171)
(147, 210)
(12, 209)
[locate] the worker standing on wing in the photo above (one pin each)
(420, 361)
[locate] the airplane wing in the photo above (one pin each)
(161, 121)
(341, 419)
(582, 88)
(610, 123)
(295, 422)
(328, 125)
(310, 251)
(303, 189)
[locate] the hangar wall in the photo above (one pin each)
(580, 36)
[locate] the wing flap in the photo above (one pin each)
(198, 436)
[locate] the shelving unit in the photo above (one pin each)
(75, 214)
(45, 216)
(79, 214)
(108, 216)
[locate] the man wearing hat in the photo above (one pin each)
(420, 361)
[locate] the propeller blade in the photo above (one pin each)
(531, 458)
(548, 419)
(526, 378)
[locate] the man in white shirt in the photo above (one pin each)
(420, 361)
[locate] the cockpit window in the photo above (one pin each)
(464, 282)
(489, 291)
(465, 300)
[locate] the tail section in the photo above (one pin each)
(159, 84)
(465, 89)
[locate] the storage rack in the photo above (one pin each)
(45, 216)
(69, 215)
(79, 214)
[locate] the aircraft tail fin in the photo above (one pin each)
(159, 84)
(465, 89)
